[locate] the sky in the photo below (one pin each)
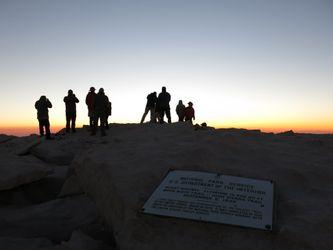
(256, 64)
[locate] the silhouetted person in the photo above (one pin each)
(163, 106)
(101, 103)
(180, 110)
(90, 98)
(150, 107)
(42, 106)
(108, 114)
(70, 102)
(189, 112)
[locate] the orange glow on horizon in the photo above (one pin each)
(25, 130)
(275, 127)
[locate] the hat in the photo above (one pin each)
(190, 103)
(92, 89)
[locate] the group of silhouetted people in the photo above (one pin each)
(100, 108)
(160, 106)
(185, 113)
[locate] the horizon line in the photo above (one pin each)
(27, 130)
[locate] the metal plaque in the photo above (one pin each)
(215, 198)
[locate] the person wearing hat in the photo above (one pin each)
(90, 103)
(42, 106)
(189, 112)
(101, 110)
(70, 102)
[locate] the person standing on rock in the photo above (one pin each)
(180, 110)
(150, 107)
(100, 108)
(42, 106)
(70, 102)
(163, 105)
(90, 98)
(189, 112)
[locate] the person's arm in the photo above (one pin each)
(107, 102)
(87, 99)
(36, 105)
(49, 104)
(76, 100)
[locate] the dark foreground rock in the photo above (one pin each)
(39, 191)
(55, 220)
(5, 138)
(71, 187)
(16, 171)
(122, 171)
(9, 243)
(81, 241)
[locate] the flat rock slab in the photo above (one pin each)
(63, 149)
(122, 172)
(55, 220)
(16, 171)
(36, 192)
(54, 152)
(20, 145)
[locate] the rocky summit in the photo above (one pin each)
(86, 192)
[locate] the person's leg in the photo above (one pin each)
(107, 122)
(102, 121)
(167, 112)
(144, 115)
(94, 124)
(90, 120)
(188, 120)
(73, 123)
(152, 115)
(41, 127)
(161, 115)
(68, 119)
(47, 128)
